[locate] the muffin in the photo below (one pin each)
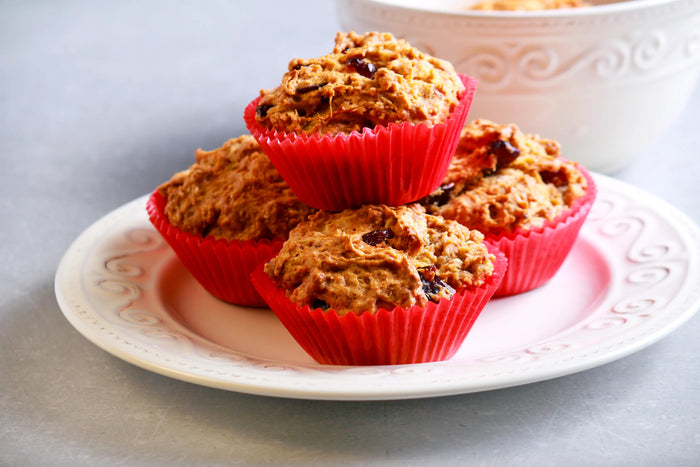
(521, 194)
(380, 285)
(528, 5)
(373, 122)
(224, 215)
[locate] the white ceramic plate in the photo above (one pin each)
(632, 277)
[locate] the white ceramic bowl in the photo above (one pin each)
(605, 81)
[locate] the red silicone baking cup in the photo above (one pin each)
(387, 337)
(393, 164)
(221, 266)
(535, 255)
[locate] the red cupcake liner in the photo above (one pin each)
(535, 255)
(221, 266)
(393, 165)
(387, 337)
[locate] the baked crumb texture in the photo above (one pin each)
(366, 81)
(501, 179)
(233, 193)
(529, 5)
(378, 257)
(516, 189)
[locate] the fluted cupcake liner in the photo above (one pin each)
(387, 337)
(535, 255)
(393, 165)
(221, 266)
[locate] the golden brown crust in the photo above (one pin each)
(378, 257)
(234, 193)
(366, 81)
(502, 179)
(529, 5)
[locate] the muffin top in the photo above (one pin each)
(378, 257)
(233, 192)
(501, 179)
(530, 5)
(366, 81)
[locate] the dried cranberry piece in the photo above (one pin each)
(432, 284)
(376, 237)
(318, 303)
(366, 69)
(557, 178)
(309, 88)
(440, 196)
(504, 151)
(261, 110)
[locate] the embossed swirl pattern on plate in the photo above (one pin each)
(643, 262)
(128, 277)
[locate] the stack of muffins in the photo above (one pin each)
(363, 211)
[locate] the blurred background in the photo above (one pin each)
(150, 83)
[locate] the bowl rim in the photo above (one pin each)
(441, 8)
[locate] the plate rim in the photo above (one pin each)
(75, 314)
